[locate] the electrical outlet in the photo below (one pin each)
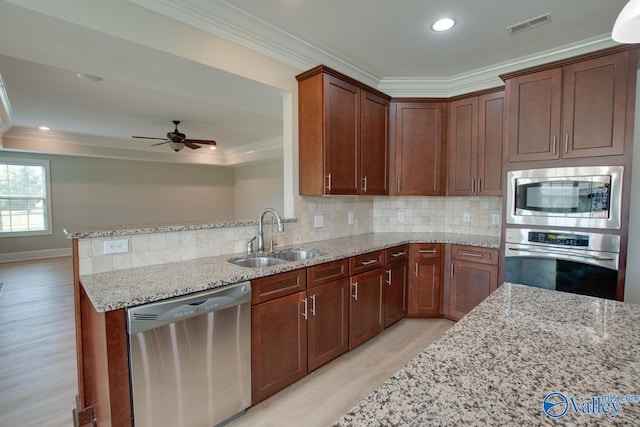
(495, 218)
(466, 217)
(116, 246)
(400, 216)
(318, 221)
(350, 217)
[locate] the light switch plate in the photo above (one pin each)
(318, 221)
(400, 216)
(116, 246)
(495, 218)
(466, 217)
(350, 217)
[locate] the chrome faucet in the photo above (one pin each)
(260, 235)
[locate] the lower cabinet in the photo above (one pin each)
(365, 306)
(473, 276)
(394, 289)
(328, 325)
(425, 280)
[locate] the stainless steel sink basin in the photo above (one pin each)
(298, 254)
(257, 262)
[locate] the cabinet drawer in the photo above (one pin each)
(426, 250)
(396, 254)
(474, 254)
(278, 285)
(366, 262)
(327, 272)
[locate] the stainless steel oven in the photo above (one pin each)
(585, 197)
(570, 261)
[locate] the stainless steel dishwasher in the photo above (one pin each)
(190, 358)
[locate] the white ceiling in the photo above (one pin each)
(387, 44)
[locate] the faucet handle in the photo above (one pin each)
(250, 246)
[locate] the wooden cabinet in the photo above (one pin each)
(418, 148)
(425, 280)
(343, 128)
(278, 332)
(473, 276)
(365, 306)
(328, 312)
(394, 289)
(475, 145)
(578, 110)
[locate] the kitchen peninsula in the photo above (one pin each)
(498, 365)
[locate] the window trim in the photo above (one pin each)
(47, 176)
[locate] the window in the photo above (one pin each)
(25, 197)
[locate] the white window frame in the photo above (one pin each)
(47, 176)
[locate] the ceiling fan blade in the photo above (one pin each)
(200, 141)
(159, 143)
(149, 137)
(191, 145)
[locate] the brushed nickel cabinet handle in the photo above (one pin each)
(304, 313)
(355, 293)
(566, 143)
(428, 251)
(389, 277)
(471, 254)
(313, 305)
(397, 254)
(416, 269)
(398, 186)
(479, 185)
(553, 145)
(473, 185)
(364, 181)
(371, 261)
(452, 271)
(329, 182)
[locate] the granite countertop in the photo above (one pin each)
(498, 364)
(135, 286)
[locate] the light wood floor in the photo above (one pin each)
(329, 392)
(38, 363)
(38, 380)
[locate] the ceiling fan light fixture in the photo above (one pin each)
(176, 146)
(212, 147)
(443, 24)
(627, 26)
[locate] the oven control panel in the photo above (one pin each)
(561, 239)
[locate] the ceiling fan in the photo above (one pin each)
(179, 140)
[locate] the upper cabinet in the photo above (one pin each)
(343, 135)
(418, 148)
(475, 145)
(579, 110)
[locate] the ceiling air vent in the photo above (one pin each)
(531, 23)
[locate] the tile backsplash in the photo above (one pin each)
(370, 214)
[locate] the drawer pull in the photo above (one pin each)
(313, 305)
(397, 254)
(389, 277)
(304, 313)
(452, 271)
(371, 261)
(329, 182)
(428, 251)
(355, 293)
(471, 254)
(417, 273)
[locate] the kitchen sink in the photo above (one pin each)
(276, 258)
(298, 254)
(257, 262)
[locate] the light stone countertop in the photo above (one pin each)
(135, 286)
(497, 365)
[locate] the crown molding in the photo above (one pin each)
(487, 77)
(231, 22)
(6, 115)
(64, 143)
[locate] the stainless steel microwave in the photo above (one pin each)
(585, 197)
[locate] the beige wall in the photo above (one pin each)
(259, 186)
(91, 191)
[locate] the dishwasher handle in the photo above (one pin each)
(157, 314)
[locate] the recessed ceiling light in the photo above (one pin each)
(212, 147)
(44, 127)
(443, 24)
(91, 77)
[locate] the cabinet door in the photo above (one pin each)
(374, 144)
(463, 147)
(490, 142)
(418, 149)
(534, 115)
(328, 322)
(470, 284)
(278, 344)
(394, 293)
(365, 306)
(341, 146)
(424, 287)
(594, 109)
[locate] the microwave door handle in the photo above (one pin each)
(550, 251)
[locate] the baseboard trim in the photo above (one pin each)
(28, 255)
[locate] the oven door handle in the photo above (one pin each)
(597, 258)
